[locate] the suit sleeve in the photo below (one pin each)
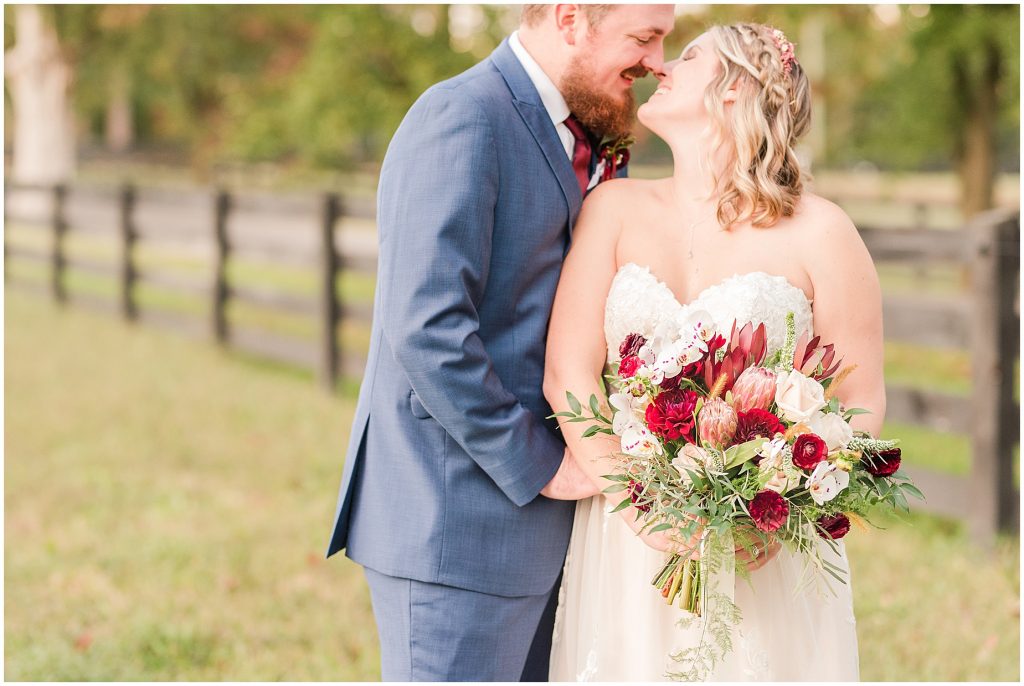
(436, 205)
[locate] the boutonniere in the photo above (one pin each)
(615, 155)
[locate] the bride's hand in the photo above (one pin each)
(762, 554)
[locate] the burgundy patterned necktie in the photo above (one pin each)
(580, 153)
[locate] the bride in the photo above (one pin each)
(734, 233)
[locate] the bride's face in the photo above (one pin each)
(679, 99)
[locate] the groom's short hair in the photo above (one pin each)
(532, 14)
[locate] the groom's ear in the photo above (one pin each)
(568, 21)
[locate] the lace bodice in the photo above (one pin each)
(638, 301)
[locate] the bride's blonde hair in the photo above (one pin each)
(763, 181)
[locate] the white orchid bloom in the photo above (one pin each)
(771, 452)
(629, 411)
(701, 325)
(639, 442)
(826, 481)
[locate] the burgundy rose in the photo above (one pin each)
(884, 463)
(631, 345)
(670, 383)
(636, 492)
(835, 526)
(756, 423)
(670, 416)
(808, 451)
(769, 510)
(629, 365)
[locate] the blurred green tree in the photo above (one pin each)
(951, 95)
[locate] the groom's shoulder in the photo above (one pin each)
(480, 87)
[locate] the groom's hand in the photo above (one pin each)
(570, 482)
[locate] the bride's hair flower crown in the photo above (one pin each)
(785, 47)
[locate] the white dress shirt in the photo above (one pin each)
(552, 98)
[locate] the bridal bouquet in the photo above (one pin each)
(731, 448)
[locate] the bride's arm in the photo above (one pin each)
(576, 348)
(848, 312)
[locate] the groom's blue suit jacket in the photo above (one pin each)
(450, 446)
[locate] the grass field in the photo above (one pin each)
(168, 503)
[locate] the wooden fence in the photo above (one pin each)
(304, 230)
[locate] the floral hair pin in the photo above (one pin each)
(785, 47)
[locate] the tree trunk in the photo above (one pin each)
(120, 131)
(977, 163)
(39, 80)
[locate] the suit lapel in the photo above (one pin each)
(528, 103)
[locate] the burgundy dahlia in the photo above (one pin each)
(769, 510)
(808, 451)
(629, 365)
(884, 463)
(835, 526)
(670, 416)
(631, 345)
(756, 424)
(636, 492)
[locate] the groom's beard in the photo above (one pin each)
(603, 115)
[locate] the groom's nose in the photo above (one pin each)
(662, 74)
(654, 61)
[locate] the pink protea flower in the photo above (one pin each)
(754, 390)
(717, 423)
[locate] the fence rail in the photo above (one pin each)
(305, 230)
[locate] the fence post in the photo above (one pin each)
(128, 237)
(220, 290)
(994, 273)
(7, 199)
(57, 259)
(329, 305)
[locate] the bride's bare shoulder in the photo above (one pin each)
(625, 193)
(822, 222)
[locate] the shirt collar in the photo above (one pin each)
(552, 98)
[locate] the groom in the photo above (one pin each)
(457, 496)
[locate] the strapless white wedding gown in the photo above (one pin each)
(611, 623)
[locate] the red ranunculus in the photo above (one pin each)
(835, 526)
(670, 416)
(808, 451)
(884, 463)
(636, 496)
(756, 423)
(631, 345)
(769, 510)
(629, 365)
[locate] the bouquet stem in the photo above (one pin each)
(680, 577)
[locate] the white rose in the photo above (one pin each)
(639, 442)
(798, 396)
(691, 457)
(832, 429)
(826, 481)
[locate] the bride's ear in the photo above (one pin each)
(731, 93)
